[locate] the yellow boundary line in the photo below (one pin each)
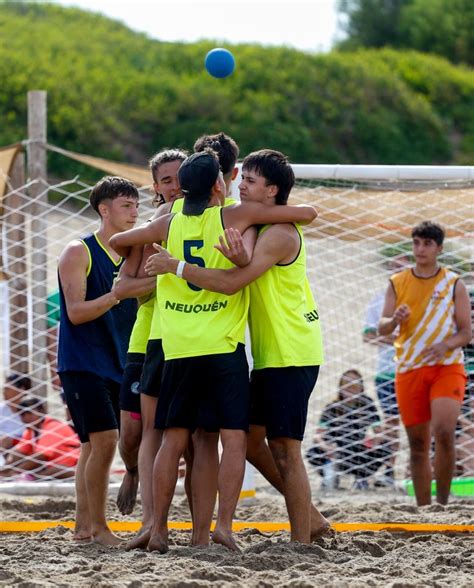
(269, 527)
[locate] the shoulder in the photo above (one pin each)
(75, 251)
(283, 236)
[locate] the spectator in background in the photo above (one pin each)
(11, 425)
(48, 448)
(385, 374)
(52, 324)
(342, 440)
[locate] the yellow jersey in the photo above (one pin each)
(284, 320)
(196, 322)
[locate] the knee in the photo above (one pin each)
(280, 454)
(443, 436)
(419, 448)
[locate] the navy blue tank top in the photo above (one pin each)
(98, 346)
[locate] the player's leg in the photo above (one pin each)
(165, 476)
(229, 483)
(413, 390)
(130, 431)
(447, 393)
(82, 527)
(176, 416)
(230, 390)
(296, 489)
(261, 457)
(419, 440)
(204, 483)
(150, 383)
(103, 446)
(73, 383)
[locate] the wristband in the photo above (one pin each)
(180, 269)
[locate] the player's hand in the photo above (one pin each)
(158, 263)
(232, 247)
(435, 352)
(402, 313)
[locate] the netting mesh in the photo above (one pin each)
(362, 236)
(362, 229)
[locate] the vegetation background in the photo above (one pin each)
(378, 98)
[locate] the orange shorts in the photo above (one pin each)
(417, 388)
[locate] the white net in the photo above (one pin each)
(362, 229)
(362, 236)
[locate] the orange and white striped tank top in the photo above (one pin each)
(431, 302)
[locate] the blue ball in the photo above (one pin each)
(220, 63)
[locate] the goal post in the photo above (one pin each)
(365, 217)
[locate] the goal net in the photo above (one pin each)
(361, 236)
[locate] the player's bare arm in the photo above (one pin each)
(129, 283)
(149, 233)
(391, 315)
(243, 215)
(278, 244)
(462, 319)
(73, 265)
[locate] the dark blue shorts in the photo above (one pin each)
(130, 388)
(150, 382)
(386, 394)
(93, 402)
(209, 392)
(279, 400)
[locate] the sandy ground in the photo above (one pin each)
(346, 559)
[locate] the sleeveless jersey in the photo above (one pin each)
(155, 330)
(431, 321)
(284, 320)
(141, 328)
(195, 322)
(98, 346)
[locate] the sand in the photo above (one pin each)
(346, 559)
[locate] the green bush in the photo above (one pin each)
(121, 95)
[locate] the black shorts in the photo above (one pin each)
(150, 382)
(279, 399)
(93, 402)
(209, 392)
(130, 388)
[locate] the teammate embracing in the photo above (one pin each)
(285, 335)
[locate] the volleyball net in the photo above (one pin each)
(361, 236)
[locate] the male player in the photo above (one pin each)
(430, 304)
(139, 440)
(285, 333)
(203, 337)
(95, 328)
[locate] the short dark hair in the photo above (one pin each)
(226, 148)
(32, 404)
(275, 168)
(429, 230)
(197, 175)
(165, 156)
(109, 188)
(19, 381)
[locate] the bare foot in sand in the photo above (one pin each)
(158, 542)
(82, 539)
(140, 541)
(107, 539)
(127, 494)
(321, 531)
(226, 539)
